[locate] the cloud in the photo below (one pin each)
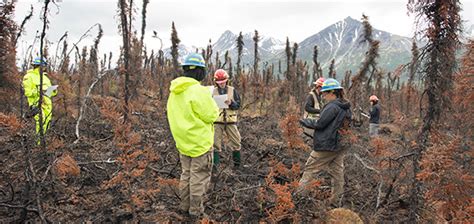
(199, 21)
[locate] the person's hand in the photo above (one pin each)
(301, 122)
(304, 123)
(228, 102)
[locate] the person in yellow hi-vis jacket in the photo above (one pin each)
(31, 86)
(226, 124)
(191, 112)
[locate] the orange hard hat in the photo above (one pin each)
(374, 98)
(221, 76)
(319, 82)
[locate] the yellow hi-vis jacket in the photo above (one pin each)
(31, 83)
(191, 114)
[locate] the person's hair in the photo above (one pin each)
(198, 73)
(339, 93)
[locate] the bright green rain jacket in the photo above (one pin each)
(191, 114)
(31, 82)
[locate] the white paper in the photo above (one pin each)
(220, 100)
(49, 90)
(365, 115)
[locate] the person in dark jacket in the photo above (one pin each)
(329, 144)
(374, 116)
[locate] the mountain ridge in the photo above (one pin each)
(339, 41)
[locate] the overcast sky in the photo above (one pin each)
(198, 21)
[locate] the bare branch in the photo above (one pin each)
(99, 77)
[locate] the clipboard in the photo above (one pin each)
(220, 101)
(49, 90)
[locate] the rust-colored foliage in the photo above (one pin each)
(279, 194)
(132, 159)
(443, 169)
(10, 122)
(55, 144)
(449, 185)
(381, 147)
(127, 150)
(443, 24)
(9, 80)
(291, 129)
(66, 166)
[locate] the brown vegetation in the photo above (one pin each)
(110, 156)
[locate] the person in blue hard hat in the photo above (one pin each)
(31, 87)
(329, 142)
(191, 113)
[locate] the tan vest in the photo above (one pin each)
(226, 116)
(316, 106)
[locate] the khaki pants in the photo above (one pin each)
(373, 129)
(194, 182)
(308, 132)
(331, 162)
(231, 131)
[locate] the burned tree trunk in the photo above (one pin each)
(124, 8)
(443, 29)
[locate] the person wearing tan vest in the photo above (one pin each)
(313, 105)
(226, 124)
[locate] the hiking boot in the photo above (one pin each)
(236, 158)
(216, 158)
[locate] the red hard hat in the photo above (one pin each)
(374, 98)
(319, 82)
(220, 76)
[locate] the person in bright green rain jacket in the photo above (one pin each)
(191, 112)
(31, 83)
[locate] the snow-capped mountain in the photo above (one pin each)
(268, 46)
(342, 42)
(183, 50)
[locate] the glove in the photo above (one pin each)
(32, 111)
(308, 123)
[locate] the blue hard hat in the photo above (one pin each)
(330, 84)
(39, 61)
(194, 59)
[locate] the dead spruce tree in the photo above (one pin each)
(256, 58)
(317, 71)
(174, 49)
(9, 80)
(124, 9)
(332, 69)
(411, 76)
(443, 25)
(296, 76)
(360, 87)
(240, 47)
